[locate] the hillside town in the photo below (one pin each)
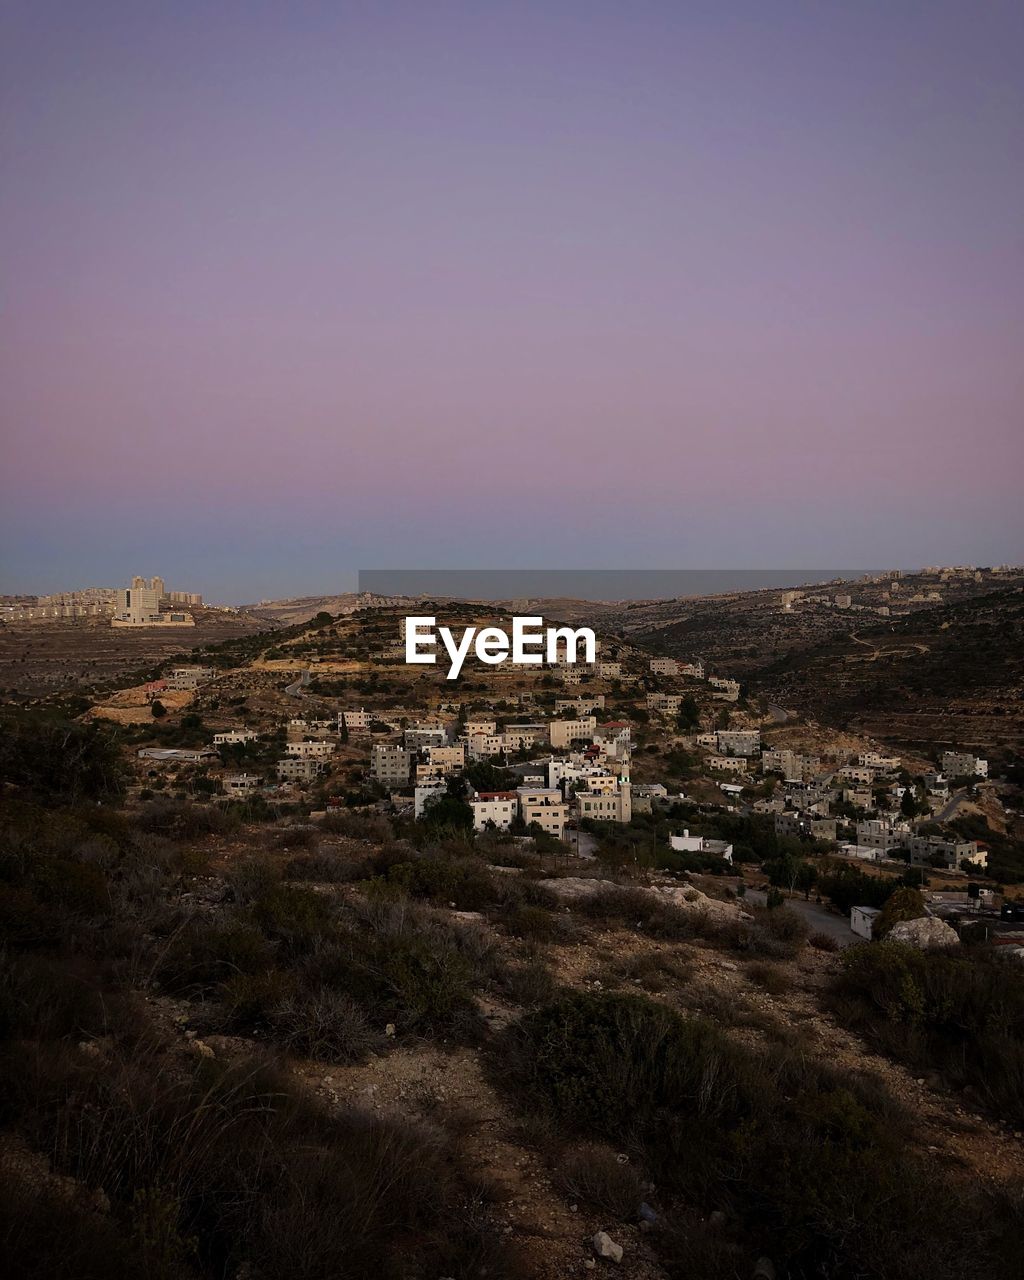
(655, 760)
(486, 927)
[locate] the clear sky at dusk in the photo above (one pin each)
(294, 288)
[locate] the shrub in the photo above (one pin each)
(251, 878)
(180, 820)
(814, 1161)
(326, 866)
(203, 953)
(527, 984)
(232, 1165)
(322, 1023)
(823, 942)
(465, 883)
(652, 970)
(774, 980)
(958, 1013)
(44, 1232)
(358, 826)
(298, 919)
(593, 1175)
(778, 933)
(645, 910)
(297, 838)
(904, 904)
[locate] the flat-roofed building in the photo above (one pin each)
(494, 808)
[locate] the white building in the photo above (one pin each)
(425, 792)
(494, 808)
(234, 737)
(700, 844)
(309, 750)
(862, 920)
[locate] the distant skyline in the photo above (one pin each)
(290, 290)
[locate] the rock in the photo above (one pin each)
(647, 1214)
(201, 1049)
(927, 933)
(590, 1264)
(605, 1247)
(765, 1269)
(389, 1030)
(716, 1218)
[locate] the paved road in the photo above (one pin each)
(296, 688)
(819, 919)
(949, 808)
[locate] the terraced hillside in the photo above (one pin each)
(39, 658)
(951, 675)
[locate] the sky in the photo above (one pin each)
(290, 290)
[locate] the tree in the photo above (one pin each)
(806, 878)
(158, 709)
(908, 802)
(689, 713)
(447, 814)
(905, 904)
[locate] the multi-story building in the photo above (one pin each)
(791, 764)
(607, 806)
(872, 760)
(664, 667)
(190, 677)
(390, 764)
(727, 764)
(424, 792)
(309, 750)
(935, 851)
(240, 784)
(582, 706)
(494, 808)
(475, 727)
(882, 833)
(234, 737)
(545, 807)
(447, 759)
(425, 735)
(961, 764)
(563, 733)
(864, 775)
(725, 690)
(299, 768)
(738, 742)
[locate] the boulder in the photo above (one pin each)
(927, 933)
(605, 1247)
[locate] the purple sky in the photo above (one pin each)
(291, 289)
